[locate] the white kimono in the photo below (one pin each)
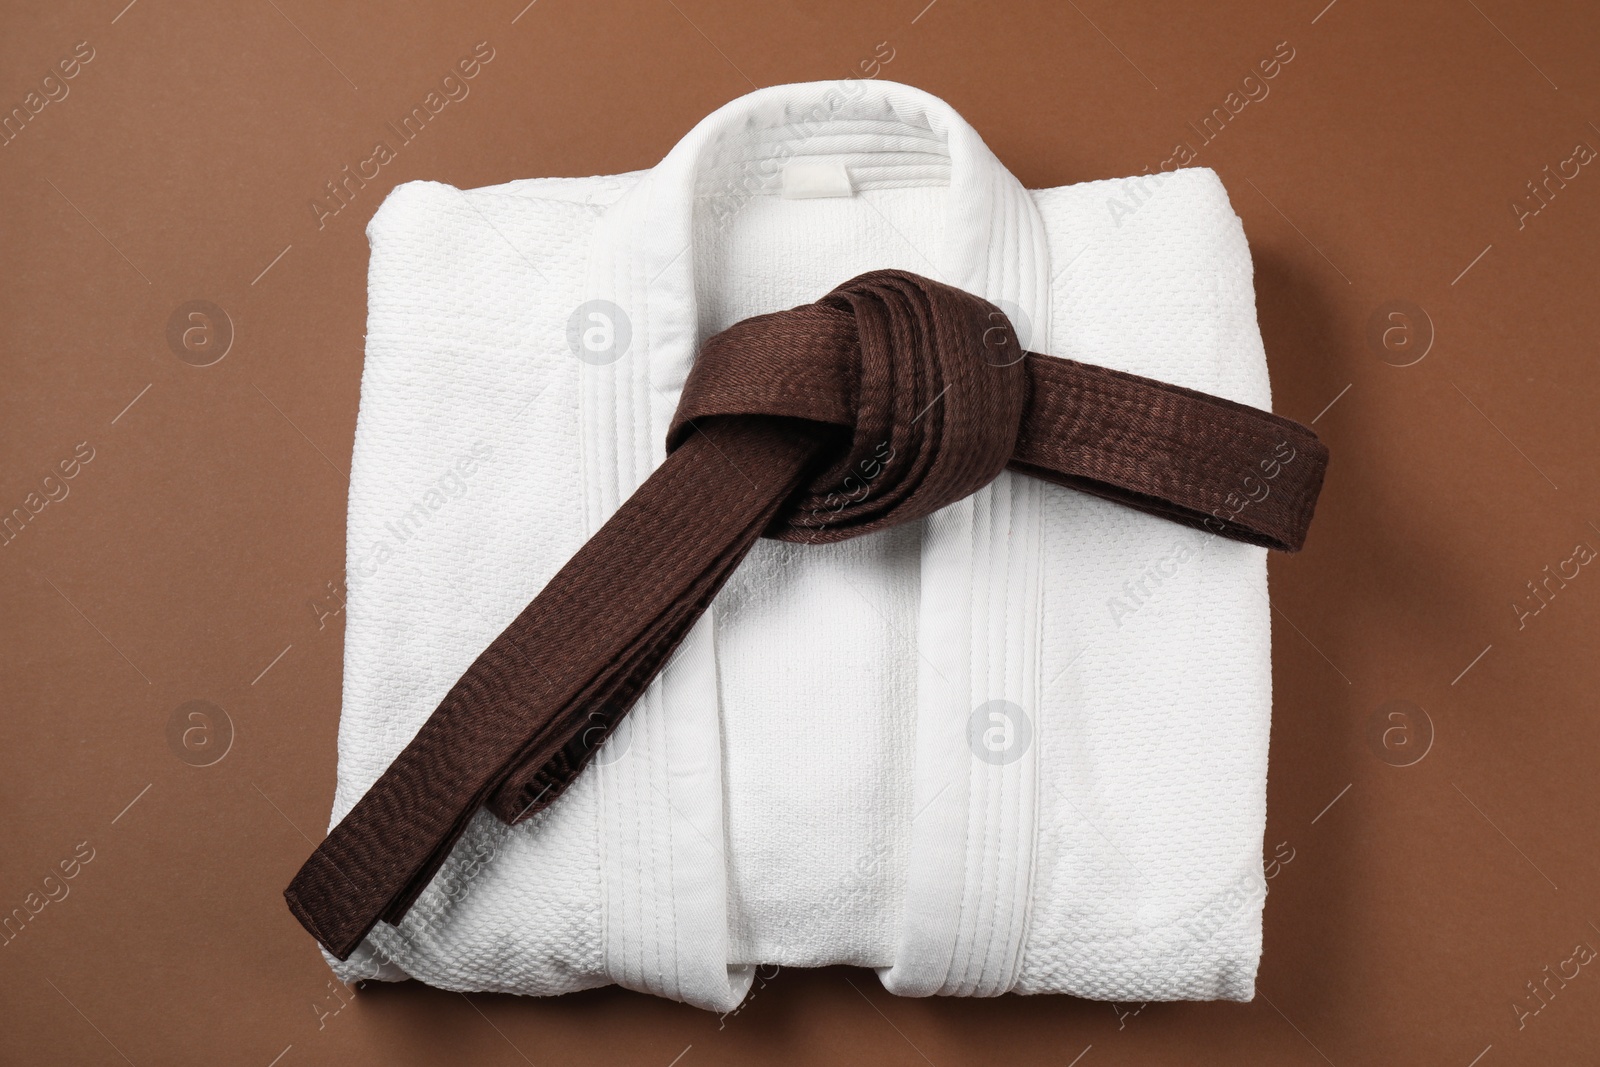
(1020, 746)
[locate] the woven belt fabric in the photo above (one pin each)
(888, 399)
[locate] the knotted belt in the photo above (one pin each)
(889, 398)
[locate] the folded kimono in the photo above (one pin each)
(1017, 746)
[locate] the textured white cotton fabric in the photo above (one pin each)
(1019, 746)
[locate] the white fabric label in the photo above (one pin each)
(807, 181)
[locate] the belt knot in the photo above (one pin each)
(923, 383)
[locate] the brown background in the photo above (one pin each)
(200, 541)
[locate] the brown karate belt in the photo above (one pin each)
(889, 398)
